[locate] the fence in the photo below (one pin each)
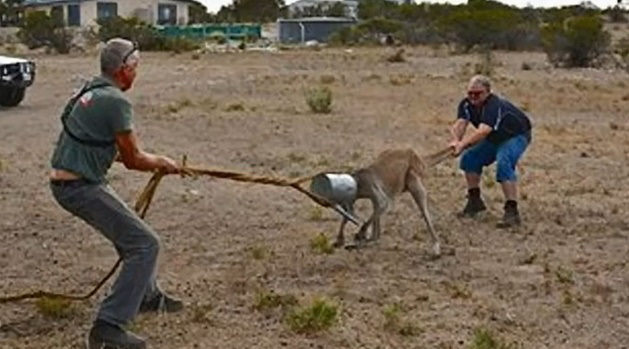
(201, 31)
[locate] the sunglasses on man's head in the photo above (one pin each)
(135, 48)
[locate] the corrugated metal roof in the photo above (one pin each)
(48, 2)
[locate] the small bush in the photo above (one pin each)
(259, 252)
(266, 300)
(397, 57)
(484, 339)
(576, 41)
(54, 307)
(319, 316)
(41, 30)
(319, 99)
(321, 244)
(616, 15)
(147, 36)
(486, 62)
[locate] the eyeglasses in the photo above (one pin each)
(475, 94)
(135, 48)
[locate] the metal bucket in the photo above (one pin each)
(339, 188)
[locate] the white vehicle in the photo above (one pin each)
(16, 74)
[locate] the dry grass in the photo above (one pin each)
(226, 244)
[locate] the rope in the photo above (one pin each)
(144, 201)
(146, 197)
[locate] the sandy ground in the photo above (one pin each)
(559, 281)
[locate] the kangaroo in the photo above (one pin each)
(392, 173)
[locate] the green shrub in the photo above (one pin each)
(485, 339)
(41, 30)
(54, 307)
(317, 317)
(496, 28)
(147, 36)
(321, 244)
(319, 99)
(576, 41)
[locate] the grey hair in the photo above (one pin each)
(481, 80)
(113, 54)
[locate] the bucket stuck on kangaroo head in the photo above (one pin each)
(340, 188)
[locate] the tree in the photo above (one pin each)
(576, 41)
(198, 13)
(257, 11)
(337, 9)
(10, 12)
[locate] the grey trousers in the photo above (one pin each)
(100, 207)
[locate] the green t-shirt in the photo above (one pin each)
(97, 116)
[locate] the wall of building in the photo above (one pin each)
(291, 31)
(146, 10)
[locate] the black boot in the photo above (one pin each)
(107, 336)
(162, 303)
(474, 204)
(511, 216)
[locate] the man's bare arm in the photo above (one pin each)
(134, 158)
(458, 129)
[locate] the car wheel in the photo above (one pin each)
(11, 96)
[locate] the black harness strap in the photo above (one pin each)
(68, 109)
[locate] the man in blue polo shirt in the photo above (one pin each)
(503, 133)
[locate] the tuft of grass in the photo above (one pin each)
(485, 339)
(564, 275)
(179, 105)
(316, 213)
(319, 99)
(486, 62)
(394, 323)
(459, 291)
(397, 57)
(327, 79)
(55, 308)
(200, 313)
(320, 244)
(235, 107)
(267, 300)
(319, 316)
(298, 158)
(259, 252)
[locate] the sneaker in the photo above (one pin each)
(161, 303)
(107, 336)
(511, 216)
(475, 204)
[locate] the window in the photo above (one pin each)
(74, 15)
(106, 10)
(166, 14)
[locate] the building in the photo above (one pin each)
(300, 30)
(351, 5)
(86, 12)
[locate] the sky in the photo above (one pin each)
(215, 5)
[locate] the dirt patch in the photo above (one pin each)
(560, 281)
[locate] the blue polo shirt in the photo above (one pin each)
(505, 119)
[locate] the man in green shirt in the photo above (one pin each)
(97, 130)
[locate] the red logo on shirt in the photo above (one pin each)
(86, 99)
